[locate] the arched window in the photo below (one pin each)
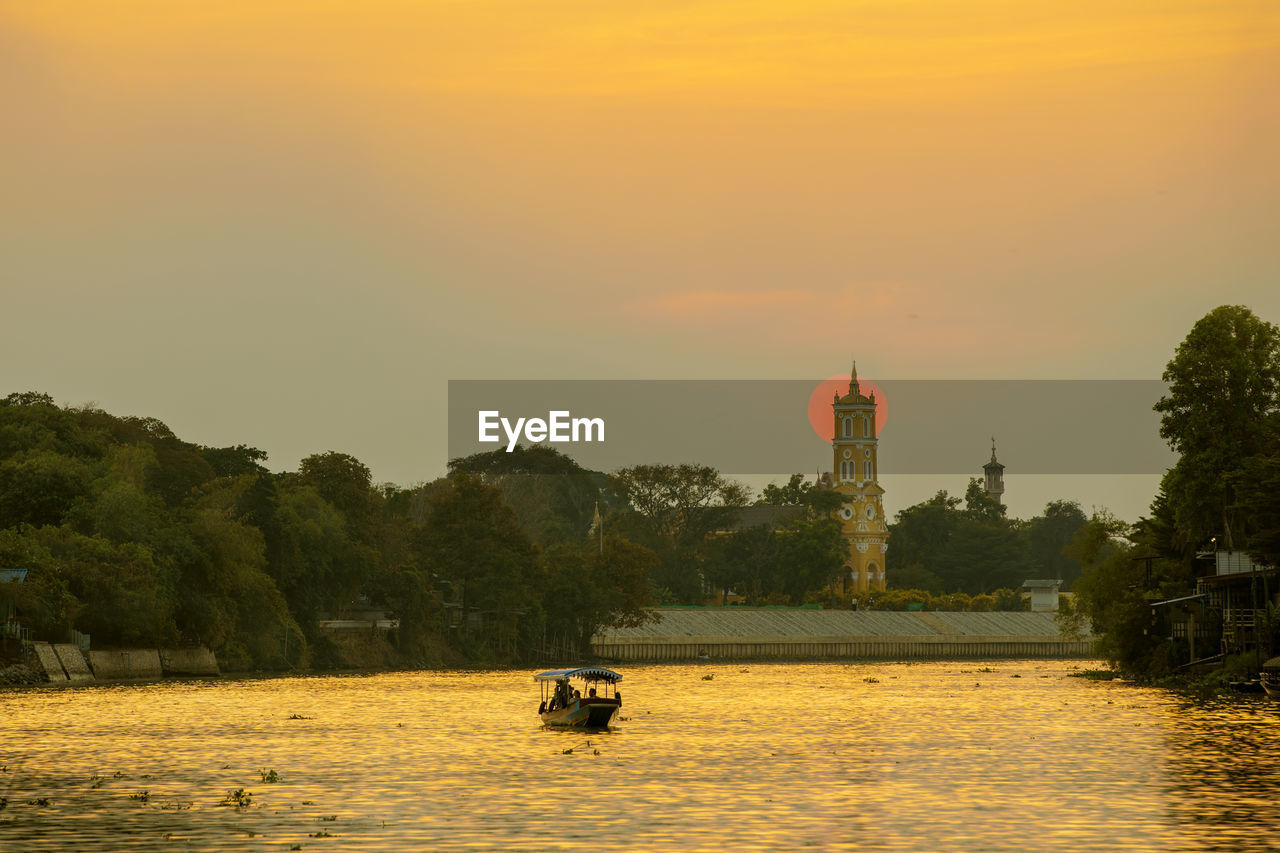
(866, 470)
(866, 426)
(844, 470)
(848, 427)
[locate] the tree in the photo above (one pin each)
(798, 491)
(1224, 381)
(810, 552)
(553, 496)
(588, 588)
(1115, 594)
(974, 550)
(1257, 489)
(982, 556)
(1049, 534)
(345, 482)
(234, 461)
(40, 487)
(675, 508)
(472, 539)
(978, 504)
(920, 534)
(744, 561)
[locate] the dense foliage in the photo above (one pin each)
(1222, 416)
(940, 546)
(138, 538)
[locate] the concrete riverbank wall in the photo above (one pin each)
(745, 633)
(65, 663)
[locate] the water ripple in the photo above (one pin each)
(877, 756)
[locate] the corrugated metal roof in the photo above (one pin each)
(735, 622)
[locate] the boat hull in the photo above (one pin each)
(1271, 684)
(583, 713)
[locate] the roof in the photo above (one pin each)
(586, 673)
(1038, 583)
(9, 575)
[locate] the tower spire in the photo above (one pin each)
(853, 379)
(993, 448)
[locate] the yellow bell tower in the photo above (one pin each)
(856, 477)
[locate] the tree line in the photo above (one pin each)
(140, 539)
(947, 544)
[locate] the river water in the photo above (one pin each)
(1005, 755)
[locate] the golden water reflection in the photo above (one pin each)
(876, 756)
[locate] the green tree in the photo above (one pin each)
(1224, 379)
(921, 534)
(1047, 537)
(810, 553)
(114, 591)
(799, 491)
(40, 487)
(743, 562)
(472, 539)
(553, 497)
(1257, 490)
(347, 484)
(978, 504)
(676, 507)
(588, 588)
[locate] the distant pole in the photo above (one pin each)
(597, 526)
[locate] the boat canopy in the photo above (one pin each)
(586, 673)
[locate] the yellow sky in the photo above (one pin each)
(414, 191)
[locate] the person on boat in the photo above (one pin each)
(591, 693)
(617, 694)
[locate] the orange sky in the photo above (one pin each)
(224, 212)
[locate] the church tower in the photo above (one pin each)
(994, 476)
(855, 475)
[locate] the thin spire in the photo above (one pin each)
(853, 379)
(993, 448)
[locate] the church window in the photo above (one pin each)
(866, 470)
(848, 427)
(866, 426)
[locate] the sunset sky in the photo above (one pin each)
(290, 224)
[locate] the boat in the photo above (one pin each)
(588, 705)
(1270, 677)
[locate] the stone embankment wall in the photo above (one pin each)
(126, 663)
(66, 664)
(73, 663)
(197, 661)
(745, 633)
